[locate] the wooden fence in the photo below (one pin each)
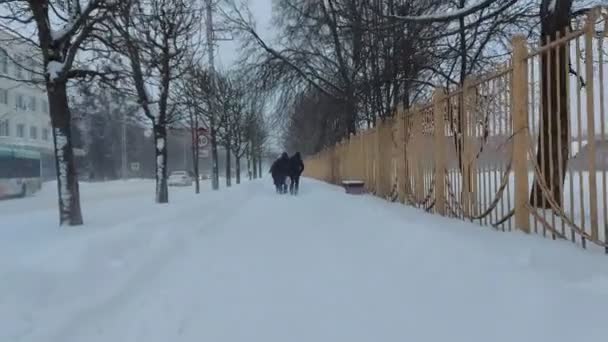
(504, 150)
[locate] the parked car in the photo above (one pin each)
(180, 178)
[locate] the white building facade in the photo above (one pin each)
(24, 110)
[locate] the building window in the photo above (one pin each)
(3, 96)
(32, 104)
(4, 62)
(21, 130)
(18, 68)
(45, 134)
(45, 106)
(4, 128)
(20, 102)
(33, 132)
(32, 71)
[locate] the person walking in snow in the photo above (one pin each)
(296, 167)
(280, 171)
(275, 173)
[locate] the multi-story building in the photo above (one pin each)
(24, 110)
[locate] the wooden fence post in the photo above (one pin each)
(363, 146)
(377, 152)
(521, 142)
(349, 169)
(369, 145)
(393, 179)
(401, 163)
(440, 155)
(407, 151)
(590, 95)
(334, 163)
(342, 159)
(381, 148)
(465, 149)
(417, 155)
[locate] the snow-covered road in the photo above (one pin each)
(245, 264)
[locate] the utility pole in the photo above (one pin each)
(215, 180)
(215, 177)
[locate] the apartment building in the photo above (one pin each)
(24, 110)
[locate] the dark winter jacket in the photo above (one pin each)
(280, 167)
(296, 165)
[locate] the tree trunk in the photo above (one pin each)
(228, 164)
(553, 128)
(195, 151)
(238, 170)
(67, 179)
(254, 161)
(260, 165)
(215, 171)
(463, 45)
(248, 156)
(458, 137)
(160, 140)
(352, 116)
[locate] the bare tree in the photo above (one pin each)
(196, 130)
(157, 38)
(190, 102)
(202, 95)
(62, 31)
(225, 97)
(352, 53)
(556, 16)
(320, 50)
(311, 124)
(247, 115)
(106, 117)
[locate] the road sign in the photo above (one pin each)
(203, 141)
(204, 153)
(134, 166)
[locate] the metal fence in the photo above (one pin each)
(524, 147)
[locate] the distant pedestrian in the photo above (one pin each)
(280, 172)
(296, 167)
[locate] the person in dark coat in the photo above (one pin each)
(280, 171)
(296, 167)
(274, 171)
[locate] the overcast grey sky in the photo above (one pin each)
(228, 51)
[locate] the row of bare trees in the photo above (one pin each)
(337, 65)
(231, 112)
(357, 60)
(340, 65)
(144, 49)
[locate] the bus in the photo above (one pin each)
(19, 172)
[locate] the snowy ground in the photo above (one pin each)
(247, 265)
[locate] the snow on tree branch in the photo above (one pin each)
(55, 70)
(77, 18)
(453, 15)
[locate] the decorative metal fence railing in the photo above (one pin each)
(525, 147)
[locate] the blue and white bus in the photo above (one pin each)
(19, 172)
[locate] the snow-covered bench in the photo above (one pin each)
(354, 186)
